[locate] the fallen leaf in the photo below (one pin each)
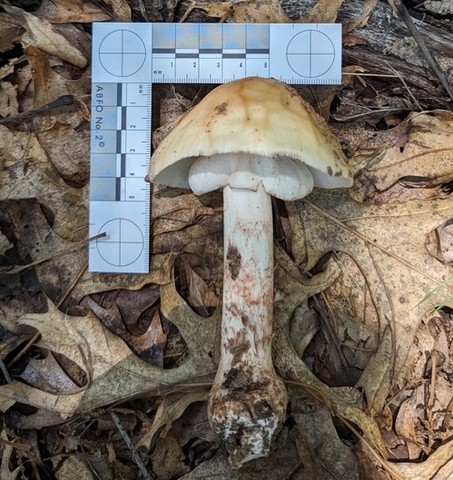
(71, 11)
(148, 343)
(438, 466)
(317, 438)
(8, 345)
(72, 467)
(426, 152)
(114, 372)
(243, 11)
(292, 289)
(121, 11)
(354, 323)
(7, 471)
(44, 36)
(332, 221)
(168, 459)
(200, 297)
(46, 374)
(324, 11)
(60, 264)
(266, 11)
(27, 173)
(8, 99)
(10, 32)
(64, 136)
(170, 408)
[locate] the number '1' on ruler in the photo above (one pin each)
(128, 58)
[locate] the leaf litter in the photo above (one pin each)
(105, 339)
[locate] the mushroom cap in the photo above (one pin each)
(254, 118)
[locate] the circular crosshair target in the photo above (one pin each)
(310, 53)
(123, 244)
(122, 53)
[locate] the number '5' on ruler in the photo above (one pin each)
(127, 59)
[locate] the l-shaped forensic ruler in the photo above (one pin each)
(128, 58)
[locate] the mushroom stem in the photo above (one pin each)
(248, 400)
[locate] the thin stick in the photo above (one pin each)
(406, 86)
(147, 475)
(432, 387)
(24, 349)
(21, 268)
(402, 10)
(72, 286)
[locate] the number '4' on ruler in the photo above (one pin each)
(128, 58)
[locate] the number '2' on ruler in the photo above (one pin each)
(128, 58)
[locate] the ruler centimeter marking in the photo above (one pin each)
(127, 59)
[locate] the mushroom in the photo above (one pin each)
(255, 138)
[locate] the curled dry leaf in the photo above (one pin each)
(48, 375)
(45, 37)
(400, 274)
(438, 466)
(168, 459)
(426, 151)
(10, 32)
(324, 11)
(71, 11)
(170, 409)
(27, 173)
(266, 11)
(146, 339)
(114, 372)
(59, 262)
(121, 11)
(63, 136)
(341, 346)
(292, 290)
(7, 471)
(48, 86)
(232, 11)
(200, 297)
(73, 466)
(421, 409)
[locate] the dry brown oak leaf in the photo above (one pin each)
(114, 373)
(107, 361)
(59, 262)
(264, 11)
(388, 245)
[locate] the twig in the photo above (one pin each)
(402, 10)
(135, 456)
(448, 415)
(5, 372)
(406, 86)
(48, 109)
(29, 344)
(387, 466)
(21, 268)
(411, 157)
(326, 315)
(432, 388)
(72, 286)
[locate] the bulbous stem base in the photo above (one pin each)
(247, 403)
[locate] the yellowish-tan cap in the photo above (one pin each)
(256, 117)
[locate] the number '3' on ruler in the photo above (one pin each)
(128, 58)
